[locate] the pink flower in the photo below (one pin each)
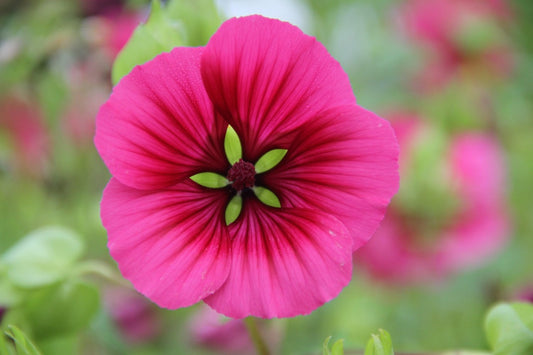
(417, 245)
(119, 26)
(229, 336)
(111, 30)
(525, 294)
(462, 35)
(275, 239)
(24, 126)
(87, 93)
(98, 7)
(132, 314)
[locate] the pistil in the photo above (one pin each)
(241, 175)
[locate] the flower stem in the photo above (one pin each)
(259, 343)
(100, 268)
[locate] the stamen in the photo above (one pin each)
(242, 175)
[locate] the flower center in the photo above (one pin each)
(242, 175)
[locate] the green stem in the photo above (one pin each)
(100, 268)
(259, 343)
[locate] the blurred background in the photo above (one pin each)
(454, 77)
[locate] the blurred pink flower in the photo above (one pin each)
(133, 314)
(109, 31)
(98, 7)
(120, 25)
(23, 124)
(212, 330)
(279, 89)
(402, 250)
(462, 35)
(88, 91)
(525, 294)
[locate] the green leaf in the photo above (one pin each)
(325, 347)
(509, 329)
(9, 294)
(465, 352)
(269, 160)
(61, 309)
(338, 347)
(43, 257)
(379, 344)
(4, 350)
(211, 180)
(233, 209)
(232, 146)
(266, 196)
(22, 343)
(162, 32)
(69, 344)
(200, 19)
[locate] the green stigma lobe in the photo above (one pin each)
(232, 146)
(233, 209)
(266, 196)
(269, 160)
(211, 180)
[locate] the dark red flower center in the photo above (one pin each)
(242, 175)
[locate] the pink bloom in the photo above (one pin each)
(133, 315)
(279, 89)
(87, 93)
(110, 31)
(25, 127)
(461, 34)
(212, 330)
(525, 294)
(98, 7)
(119, 26)
(474, 173)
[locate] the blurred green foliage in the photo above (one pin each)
(509, 329)
(379, 344)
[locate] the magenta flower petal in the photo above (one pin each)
(171, 244)
(158, 126)
(267, 78)
(342, 163)
(284, 263)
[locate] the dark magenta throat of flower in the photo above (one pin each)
(241, 176)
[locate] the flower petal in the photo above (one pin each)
(345, 163)
(171, 244)
(158, 126)
(285, 262)
(267, 78)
